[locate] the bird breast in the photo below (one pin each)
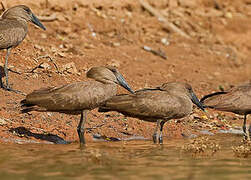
(12, 33)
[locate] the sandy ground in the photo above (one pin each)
(81, 34)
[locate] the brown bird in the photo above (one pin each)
(77, 98)
(170, 101)
(236, 100)
(13, 29)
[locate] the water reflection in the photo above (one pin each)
(123, 160)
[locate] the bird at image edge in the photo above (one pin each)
(236, 100)
(13, 30)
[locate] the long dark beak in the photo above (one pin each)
(36, 21)
(196, 101)
(121, 80)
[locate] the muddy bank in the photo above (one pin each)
(214, 54)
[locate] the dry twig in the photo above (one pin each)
(38, 66)
(50, 60)
(217, 5)
(157, 53)
(11, 70)
(170, 26)
(4, 6)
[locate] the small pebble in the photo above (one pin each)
(165, 41)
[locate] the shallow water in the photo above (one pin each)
(122, 160)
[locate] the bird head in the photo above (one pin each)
(183, 89)
(22, 12)
(108, 74)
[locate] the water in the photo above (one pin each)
(122, 160)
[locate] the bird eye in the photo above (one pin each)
(27, 10)
(113, 70)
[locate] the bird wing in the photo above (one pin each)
(62, 98)
(146, 104)
(71, 97)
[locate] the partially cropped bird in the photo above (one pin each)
(13, 29)
(170, 101)
(77, 98)
(236, 100)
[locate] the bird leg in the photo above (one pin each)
(6, 69)
(7, 87)
(161, 128)
(81, 129)
(244, 127)
(156, 132)
(249, 133)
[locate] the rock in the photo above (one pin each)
(43, 36)
(61, 54)
(206, 132)
(98, 137)
(116, 44)
(114, 62)
(61, 46)
(49, 114)
(36, 46)
(132, 138)
(3, 121)
(70, 68)
(231, 131)
(189, 136)
(165, 41)
(45, 66)
(228, 15)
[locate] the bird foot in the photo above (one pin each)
(82, 145)
(155, 138)
(160, 140)
(81, 132)
(246, 137)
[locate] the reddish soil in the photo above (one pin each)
(92, 33)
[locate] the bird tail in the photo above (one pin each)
(103, 109)
(210, 95)
(26, 107)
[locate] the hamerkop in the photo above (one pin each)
(13, 29)
(236, 100)
(170, 101)
(77, 98)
